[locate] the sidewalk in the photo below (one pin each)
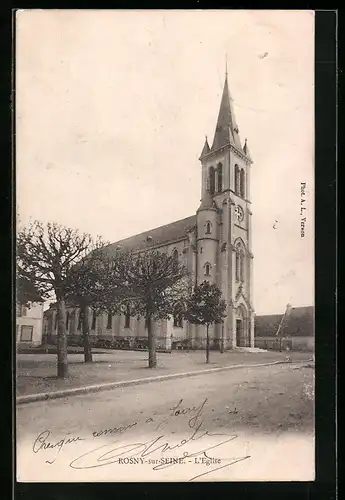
(36, 373)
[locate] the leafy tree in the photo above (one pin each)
(205, 307)
(46, 253)
(155, 283)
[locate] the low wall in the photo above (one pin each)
(119, 342)
(198, 343)
(115, 342)
(286, 344)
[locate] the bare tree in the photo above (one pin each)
(155, 284)
(46, 253)
(97, 282)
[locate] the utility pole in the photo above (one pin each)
(286, 313)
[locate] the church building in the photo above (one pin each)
(214, 244)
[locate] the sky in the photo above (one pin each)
(112, 109)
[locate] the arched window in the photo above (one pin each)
(207, 269)
(242, 183)
(208, 227)
(237, 179)
(109, 322)
(128, 317)
(212, 178)
(67, 320)
(93, 324)
(219, 178)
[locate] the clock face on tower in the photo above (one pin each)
(239, 213)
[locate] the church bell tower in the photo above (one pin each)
(224, 240)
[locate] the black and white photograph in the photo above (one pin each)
(164, 245)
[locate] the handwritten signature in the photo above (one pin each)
(98, 457)
(113, 452)
(42, 443)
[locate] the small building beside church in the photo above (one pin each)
(29, 315)
(215, 244)
(295, 331)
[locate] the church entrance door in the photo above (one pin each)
(239, 333)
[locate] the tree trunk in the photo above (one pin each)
(86, 334)
(222, 340)
(207, 345)
(151, 343)
(62, 363)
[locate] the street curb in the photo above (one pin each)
(44, 396)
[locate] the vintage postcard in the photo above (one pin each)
(165, 245)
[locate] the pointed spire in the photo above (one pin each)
(226, 129)
(246, 150)
(206, 148)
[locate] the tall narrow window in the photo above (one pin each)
(67, 320)
(220, 178)
(128, 317)
(208, 227)
(109, 322)
(240, 261)
(212, 180)
(238, 265)
(93, 324)
(175, 257)
(178, 321)
(237, 179)
(242, 265)
(80, 321)
(207, 269)
(242, 183)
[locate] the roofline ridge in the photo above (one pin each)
(149, 230)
